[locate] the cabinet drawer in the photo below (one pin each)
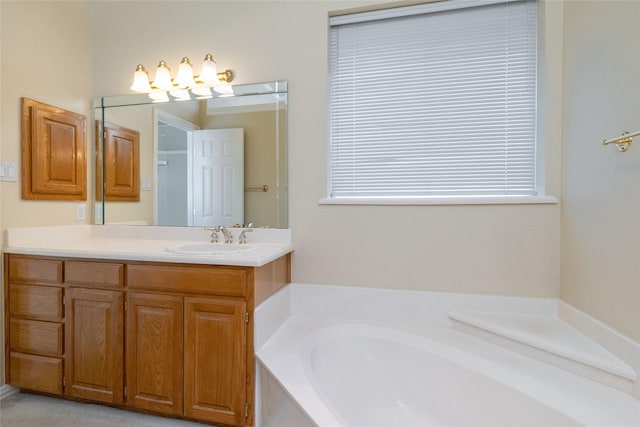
(36, 302)
(94, 273)
(37, 373)
(183, 278)
(34, 336)
(34, 270)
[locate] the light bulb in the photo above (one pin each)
(180, 94)
(201, 91)
(184, 78)
(141, 80)
(209, 73)
(224, 89)
(159, 96)
(163, 77)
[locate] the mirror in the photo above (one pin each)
(197, 159)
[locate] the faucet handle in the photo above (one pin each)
(214, 233)
(242, 238)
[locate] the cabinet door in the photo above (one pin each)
(94, 366)
(154, 352)
(215, 360)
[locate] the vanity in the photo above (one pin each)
(107, 314)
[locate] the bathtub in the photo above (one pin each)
(371, 376)
(331, 371)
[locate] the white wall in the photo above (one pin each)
(601, 208)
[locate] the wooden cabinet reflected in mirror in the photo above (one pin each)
(121, 164)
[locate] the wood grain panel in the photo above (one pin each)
(94, 273)
(25, 269)
(215, 370)
(36, 302)
(154, 353)
(33, 336)
(94, 345)
(122, 164)
(270, 278)
(37, 373)
(182, 278)
(53, 153)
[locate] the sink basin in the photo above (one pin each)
(209, 249)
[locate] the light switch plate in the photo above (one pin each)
(8, 171)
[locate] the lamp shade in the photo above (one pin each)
(141, 80)
(163, 77)
(159, 96)
(209, 73)
(184, 78)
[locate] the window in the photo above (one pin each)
(434, 100)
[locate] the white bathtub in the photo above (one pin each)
(330, 371)
(371, 376)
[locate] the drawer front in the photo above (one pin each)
(209, 280)
(34, 270)
(34, 336)
(37, 373)
(36, 302)
(94, 273)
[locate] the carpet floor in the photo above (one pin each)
(31, 410)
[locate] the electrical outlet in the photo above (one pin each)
(145, 184)
(80, 211)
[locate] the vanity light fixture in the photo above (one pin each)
(209, 76)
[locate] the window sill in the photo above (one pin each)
(453, 200)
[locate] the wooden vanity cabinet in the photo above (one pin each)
(94, 330)
(94, 362)
(201, 311)
(154, 352)
(34, 322)
(215, 377)
(188, 330)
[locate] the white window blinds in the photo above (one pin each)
(441, 103)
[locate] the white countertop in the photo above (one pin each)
(143, 243)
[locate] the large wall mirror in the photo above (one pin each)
(194, 159)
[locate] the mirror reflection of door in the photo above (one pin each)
(218, 177)
(200, 175)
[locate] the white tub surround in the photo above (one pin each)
(146, 243)
(336, 350)
(549, 339)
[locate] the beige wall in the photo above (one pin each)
(46, 56)
(601, 203)
(488, 249)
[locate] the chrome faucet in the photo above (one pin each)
(242, 238)
(228, 237)
(214, 234)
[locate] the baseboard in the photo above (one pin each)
(6, 391)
